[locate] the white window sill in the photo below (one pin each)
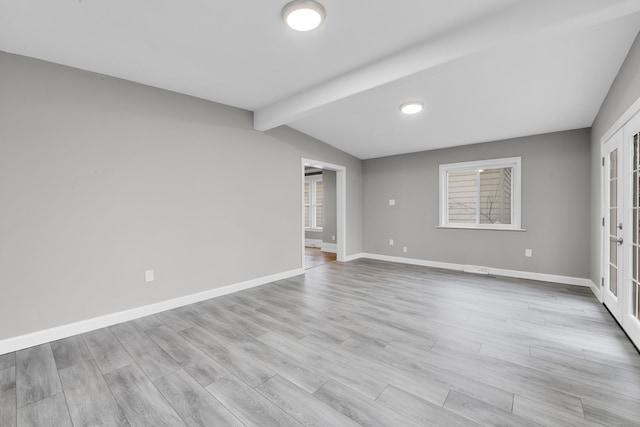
(470, 227)
(314, 230)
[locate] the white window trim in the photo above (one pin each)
(516, 196)
(312, 179)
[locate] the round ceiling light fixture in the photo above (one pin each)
(412, 107)
(303, 15)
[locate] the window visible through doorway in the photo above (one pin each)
(313, 196)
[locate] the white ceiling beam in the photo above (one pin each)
(532, 19)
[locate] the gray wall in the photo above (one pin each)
(330, 208)
(101, 179)
(624, 91)
(555, 207)
(316, 235)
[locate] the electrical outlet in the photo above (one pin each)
(148, 276)
(392, 202)
(390, 242)
(333, 238)
(528, 253)
(404, 249)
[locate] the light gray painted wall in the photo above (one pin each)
(330, 207)
(624, 91)
(555, 207)
(316, 235)
(101, 179)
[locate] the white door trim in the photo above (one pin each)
(614, 302)
(341, 206)
(623, 120)
(615, 127)
(630, 323)
(625, 125)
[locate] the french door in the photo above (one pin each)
(613, 225)
(621, 231)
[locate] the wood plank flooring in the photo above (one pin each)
(314, 257)
(362, 343)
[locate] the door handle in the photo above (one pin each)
(618, 240)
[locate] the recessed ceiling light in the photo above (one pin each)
(303, 15)
(412, 107)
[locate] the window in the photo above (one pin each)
(481, 194)
(313, 196)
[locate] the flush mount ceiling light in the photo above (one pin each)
(303, 15)
(412, 107)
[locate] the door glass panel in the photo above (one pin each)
(635, 231)
(635, 154)
(613, 222)
(634, 225)
(636, 299)
(613, 247)
(634, 262)
(635, 187)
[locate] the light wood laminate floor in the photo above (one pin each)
(362, 343)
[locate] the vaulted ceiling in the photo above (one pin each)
(485, 69)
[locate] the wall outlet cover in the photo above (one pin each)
(148, 276)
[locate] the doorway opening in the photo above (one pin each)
(323, 213)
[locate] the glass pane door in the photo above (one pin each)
(613, 225)
(630, 291)
(635, 229)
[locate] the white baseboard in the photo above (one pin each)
(543, 277)
(353, 257)
(329, 247)
(41, 337)
(597, 290)
(313, 243)
(413, 261)
(553, 278)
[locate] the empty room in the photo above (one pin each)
(319, 213)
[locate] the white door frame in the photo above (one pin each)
(628, 115)
(624, 124)
(615, 302)
(629, 322)
(341, 206)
